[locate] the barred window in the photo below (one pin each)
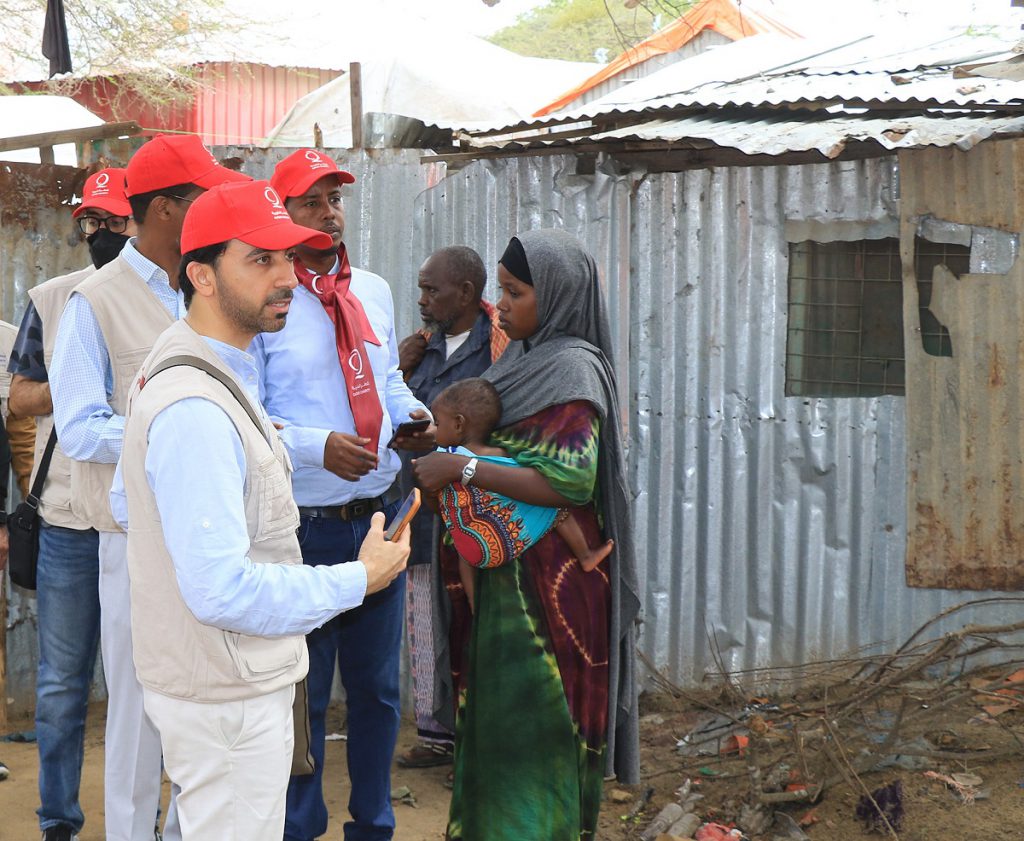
(845, 327)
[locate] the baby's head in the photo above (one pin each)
(466, 413)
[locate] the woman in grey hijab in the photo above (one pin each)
(549, 695)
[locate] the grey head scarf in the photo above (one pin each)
(567, 359)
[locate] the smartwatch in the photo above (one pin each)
(469, 471)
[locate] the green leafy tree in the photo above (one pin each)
(587, 30)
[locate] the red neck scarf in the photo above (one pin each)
(351, 329)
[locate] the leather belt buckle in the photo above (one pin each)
(358, 509)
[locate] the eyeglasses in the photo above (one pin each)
(89, 225)
(182, 198)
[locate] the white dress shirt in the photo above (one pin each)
(303, 387)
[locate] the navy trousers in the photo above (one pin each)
(365, 643)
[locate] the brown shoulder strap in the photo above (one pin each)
(186, 360)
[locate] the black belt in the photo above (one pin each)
(354, 510)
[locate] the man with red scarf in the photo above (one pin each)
(331, 379)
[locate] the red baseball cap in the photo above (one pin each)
(172, 159)
(104, 190)
(298, 172)
(251, 212)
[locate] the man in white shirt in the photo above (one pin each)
(331, 379)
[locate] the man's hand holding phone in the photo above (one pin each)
(416, 434)
(384, 559)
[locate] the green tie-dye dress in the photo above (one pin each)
(532, 716)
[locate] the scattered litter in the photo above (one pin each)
(685, 826)
(617, 795)
(706, 736)
(908, 755)
(21, 736)
(640, 804)
(665, 818)
(654, 720)
(889, 809)
(717, 832)
(336, 737)
(965, 786)
(4, 772)
(810, 818)
(754, 819)
(787, 829)
(736, 745)
(404, 794)
(1001, 697)
(710, 772)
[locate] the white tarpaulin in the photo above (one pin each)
(461, 82)
(32, 114)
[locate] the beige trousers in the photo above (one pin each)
(231, 761)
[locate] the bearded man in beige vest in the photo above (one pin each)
(106, 330)
(220, 599)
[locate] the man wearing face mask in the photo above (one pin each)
(68, 596)
(106, 330)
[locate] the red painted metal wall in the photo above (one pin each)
(234, 104)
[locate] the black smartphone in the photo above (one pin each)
(408, 427)
(404, 516)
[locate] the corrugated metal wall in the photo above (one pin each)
(772, 528)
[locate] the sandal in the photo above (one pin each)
(427, 755)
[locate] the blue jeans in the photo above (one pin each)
(365, 642)
(68, 606)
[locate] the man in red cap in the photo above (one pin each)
(106, 330)
(340, 340)
(215, 563)
(67, 596)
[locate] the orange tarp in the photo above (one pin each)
(722, 16)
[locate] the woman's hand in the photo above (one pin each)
(435, 470)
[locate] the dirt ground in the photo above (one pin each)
(932, 812)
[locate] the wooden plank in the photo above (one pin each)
(356, 100)
(74, 135)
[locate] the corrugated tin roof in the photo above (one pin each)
(777, 135)
(722, 16)
(915, 85)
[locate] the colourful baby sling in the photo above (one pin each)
(489, 529)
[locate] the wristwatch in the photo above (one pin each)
(469, 471)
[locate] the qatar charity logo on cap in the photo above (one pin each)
(100, 186)
(315, 161)
(277, 209)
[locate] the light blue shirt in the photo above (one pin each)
(196, 469)
(304, 389)
(81, 378)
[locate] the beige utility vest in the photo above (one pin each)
(175, 654)
(55, 503)
(131, 318)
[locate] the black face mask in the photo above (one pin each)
(105, 246)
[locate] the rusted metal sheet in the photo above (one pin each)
(965, 471)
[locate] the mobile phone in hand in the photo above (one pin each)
(408, 428)
(404, 516)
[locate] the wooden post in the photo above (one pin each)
(355, 83)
